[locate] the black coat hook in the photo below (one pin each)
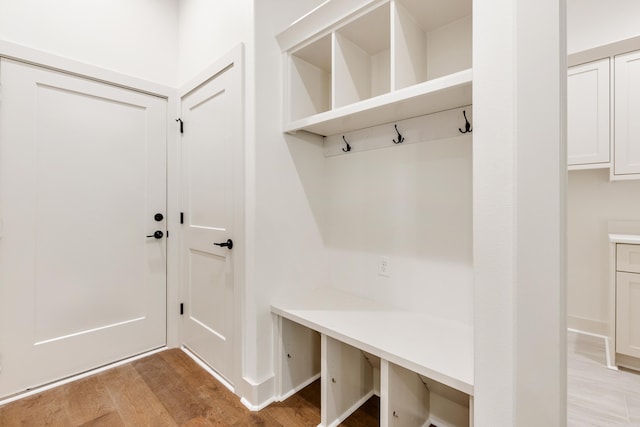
(181, 125)
(348, 146)
(400, 137)
(467, 125)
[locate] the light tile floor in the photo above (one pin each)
(596, 395)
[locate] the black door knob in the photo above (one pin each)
(158, 217)
(157, 234)
(227, 244)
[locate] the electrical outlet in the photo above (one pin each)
(383, 266)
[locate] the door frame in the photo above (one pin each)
(39, 58)
(235, 58)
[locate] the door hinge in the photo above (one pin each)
(181, 308)
(181, 125)
(181, 217)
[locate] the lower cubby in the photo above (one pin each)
(299, 356)
(409, 399)
(351, 377)
(347, 380)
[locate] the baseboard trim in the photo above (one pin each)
(208, 368)
(352, 409)
(298, 388)
(607, 345)
(257, 396)
(581, 324)
(77, 377)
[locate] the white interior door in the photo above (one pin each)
(210, 143)
(82, 174)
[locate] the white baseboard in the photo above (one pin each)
(298, 388)
(257, 396)
(352, 409)
(77, 377)
(208, 368)
(581, 324)
(607, 344)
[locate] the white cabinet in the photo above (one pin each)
(625, 291)
(628, 300)
(588, 115)
(627, 114)
(354, 64)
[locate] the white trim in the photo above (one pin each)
(259, 407)
(40, 58)
(610, 365)
(352, 409)
(630, 239)
(604, 51)
(599, 327)
(298, 388)
(208, 368)
(80, 376)
(230, 59)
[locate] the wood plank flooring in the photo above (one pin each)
(165, 389)
(170, 389)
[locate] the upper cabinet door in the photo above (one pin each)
(627, 114)
(588, 115)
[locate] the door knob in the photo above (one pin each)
(227, 244)
(157, 234)
(158, 217)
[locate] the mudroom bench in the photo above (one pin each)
(421, 367)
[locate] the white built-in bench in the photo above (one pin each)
(420, 366)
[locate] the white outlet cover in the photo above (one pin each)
(383, 266)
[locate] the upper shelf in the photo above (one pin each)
(351, 64)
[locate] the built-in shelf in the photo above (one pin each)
(351, 64)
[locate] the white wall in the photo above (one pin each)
(412, 203)
(208, 29)
(285, 215)
(138, 38)
(592, 23)
(592, 199)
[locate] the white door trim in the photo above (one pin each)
(235, 58)
(44, 59)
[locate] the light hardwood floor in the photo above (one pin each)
(596, 395)
(170, 389)
(165, 389)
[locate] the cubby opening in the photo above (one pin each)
(410, 399)
(300, 357)
(310, 79)
(432, 38)
(348, 380)
(362, 57)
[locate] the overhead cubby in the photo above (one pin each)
(431, 39)
(362, 58)
(310, 79)
(353, 65)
